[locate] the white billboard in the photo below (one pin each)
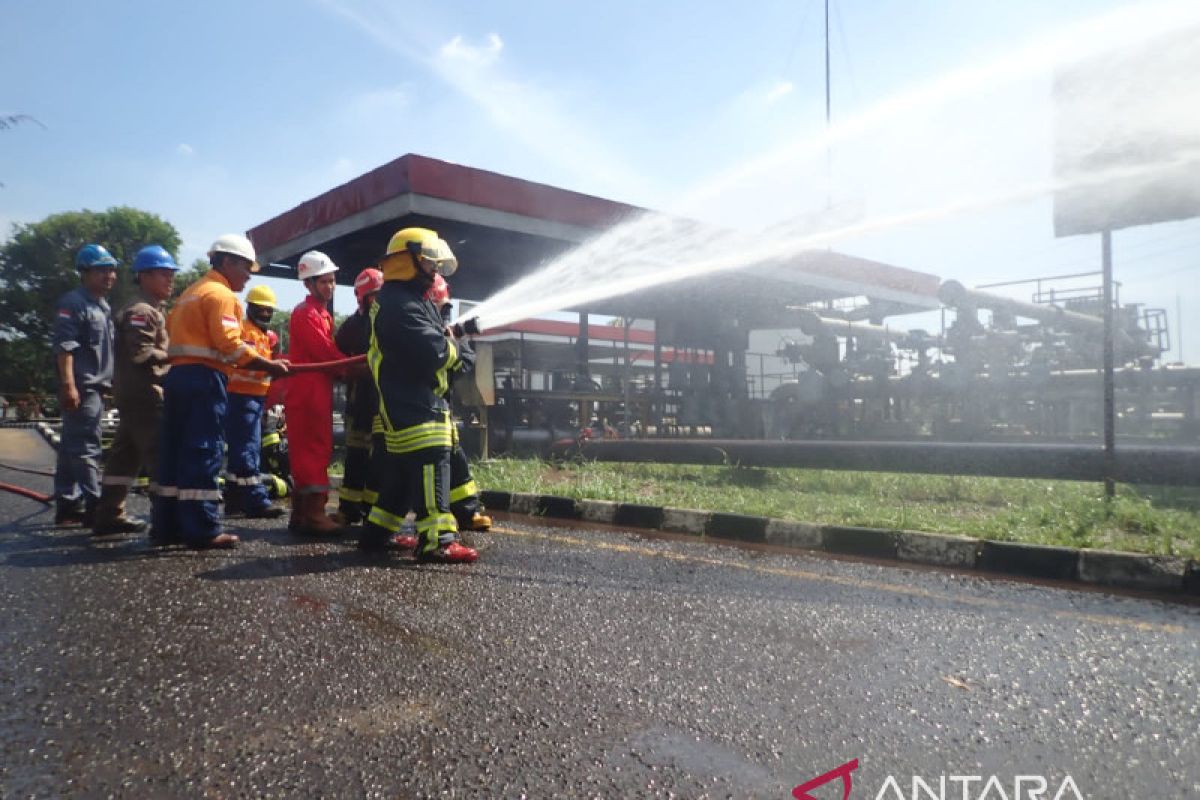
(1127, 136)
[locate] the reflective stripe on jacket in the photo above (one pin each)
(255, 383)
(410, 357)
(205, 327)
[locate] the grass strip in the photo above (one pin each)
(1141, 519)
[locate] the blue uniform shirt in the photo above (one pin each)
(83, 327)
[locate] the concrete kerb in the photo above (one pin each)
(1099, 567)
(1135, 571)
(601, 511)
(937, 548)
(685, 520)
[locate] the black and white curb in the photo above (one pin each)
(1098, 567)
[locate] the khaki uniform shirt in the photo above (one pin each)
(141, 359)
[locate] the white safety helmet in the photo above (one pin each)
(314, 263)
(235, 244)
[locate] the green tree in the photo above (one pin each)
(186, 277)
(37, 266)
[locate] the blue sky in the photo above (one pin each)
(219, 115)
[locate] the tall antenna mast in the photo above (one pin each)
(828, 120)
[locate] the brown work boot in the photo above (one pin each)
(316, 522)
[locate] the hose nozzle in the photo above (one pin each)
(468, 327)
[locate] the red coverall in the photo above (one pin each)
(309, 399)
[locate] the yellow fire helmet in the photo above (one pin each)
(262, 295)
(412, 243)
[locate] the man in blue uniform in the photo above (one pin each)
(83, 350)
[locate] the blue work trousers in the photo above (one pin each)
(187, 502)
(244, 489)
(77, 472)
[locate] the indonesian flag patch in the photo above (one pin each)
(64, 313)
(229, 321)
(138, 320)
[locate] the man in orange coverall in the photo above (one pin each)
(205, 333)
(244, 489)
(309, 400)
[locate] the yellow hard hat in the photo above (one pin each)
(262, 295)
(411, 243)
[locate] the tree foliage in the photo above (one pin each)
(37, 266)
(186, 277)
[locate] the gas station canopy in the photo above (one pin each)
(503, 228)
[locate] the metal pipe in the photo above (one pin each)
(1179, 466)
(811, 324)
(954, 294)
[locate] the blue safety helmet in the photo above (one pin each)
(153, 256)
(94, 255)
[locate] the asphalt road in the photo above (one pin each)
(565, 663)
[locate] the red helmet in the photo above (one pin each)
(368, 281)
(439, 292)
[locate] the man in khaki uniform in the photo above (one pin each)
(141, 363)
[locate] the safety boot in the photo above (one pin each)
(121, 524)
(479, 522)
(68, 514)
(453, 553)
(348, 513)
(315, 521)
(269, 511)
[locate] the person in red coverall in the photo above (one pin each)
(309, 399)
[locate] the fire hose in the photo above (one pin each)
(24, 491)
(324, 366)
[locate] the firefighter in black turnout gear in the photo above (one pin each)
(411, 356)
(362, 402)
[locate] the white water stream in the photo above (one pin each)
(912, 158)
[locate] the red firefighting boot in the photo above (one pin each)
(453, 553)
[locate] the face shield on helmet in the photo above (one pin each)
(416, 252)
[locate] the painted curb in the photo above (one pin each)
(549, 505)
(1032, 560)
(498, 501)
(685, 520)
(522, 503)
(1134, 571)
(1098, 567)
(603, 511)
(855, 541)
(738, 527)
(786, 533)
(638, 516)
(939, 549)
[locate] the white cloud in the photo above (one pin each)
(530, 113)
(781, 89)
(483, 56)
(185, 149)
